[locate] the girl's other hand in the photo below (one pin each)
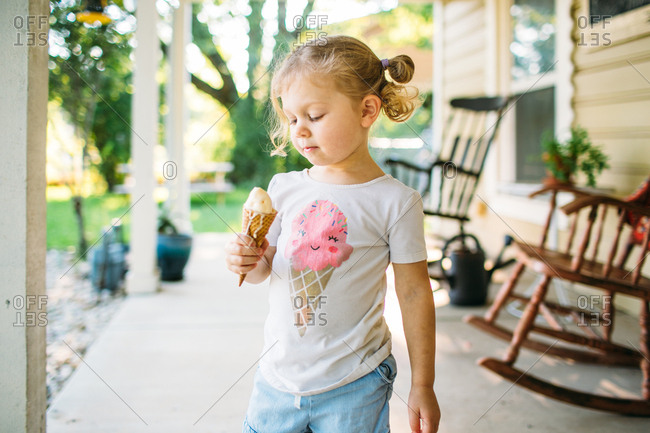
(424, 411)
(242, 254)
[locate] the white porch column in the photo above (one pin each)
(23, 121)
(564, 48)
(179, 185)
(439, 102)
(143, 276)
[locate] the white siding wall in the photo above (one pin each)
(611, 99)
(612, 92)
(465, 48)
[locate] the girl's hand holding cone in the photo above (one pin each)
(243, 254)
(257, 216)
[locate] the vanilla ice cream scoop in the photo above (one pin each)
(259, 201)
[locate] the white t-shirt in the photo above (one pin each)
(326, 327)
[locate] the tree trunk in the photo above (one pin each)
(77, 198)
(77, 202)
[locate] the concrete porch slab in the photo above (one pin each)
(183, 360)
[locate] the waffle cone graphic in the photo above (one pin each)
(307, 287)
(256, 225)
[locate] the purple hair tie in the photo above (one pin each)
(384, 63)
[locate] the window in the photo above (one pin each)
(533, 78)
(535, 116)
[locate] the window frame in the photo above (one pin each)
(509, 198)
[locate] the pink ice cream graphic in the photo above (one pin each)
(317, 245)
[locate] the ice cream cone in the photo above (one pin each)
(307, 287)
(256, 225)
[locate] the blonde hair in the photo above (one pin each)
(355, 70)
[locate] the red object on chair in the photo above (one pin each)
(641, 197)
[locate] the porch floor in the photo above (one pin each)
(183, 359)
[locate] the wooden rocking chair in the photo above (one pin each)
(448, 183)
(590, 261)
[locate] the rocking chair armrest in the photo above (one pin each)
(456, 168)
(427, 170)
(591, 200)
(578, 192)
(409, 165)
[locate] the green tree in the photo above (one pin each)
(89, 78)
(249, 111)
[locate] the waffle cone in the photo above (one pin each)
(307, 287)
(256, 225)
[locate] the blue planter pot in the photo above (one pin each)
(173, 252)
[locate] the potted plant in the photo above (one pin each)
(577, 154)
(173, 249)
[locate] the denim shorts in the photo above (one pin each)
(360, 406)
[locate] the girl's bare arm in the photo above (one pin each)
(419, 318)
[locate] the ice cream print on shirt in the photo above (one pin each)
(316, 246)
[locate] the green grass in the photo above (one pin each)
(208, 213)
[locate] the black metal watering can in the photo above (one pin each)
(467, 276)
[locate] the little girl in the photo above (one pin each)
(327, 363)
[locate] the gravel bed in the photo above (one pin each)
(76, 315)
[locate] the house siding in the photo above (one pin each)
(611, 99)
(465, 51)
